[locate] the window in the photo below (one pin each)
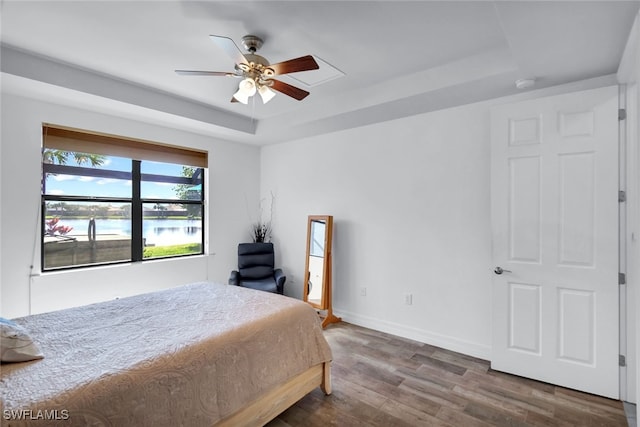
(108, 199)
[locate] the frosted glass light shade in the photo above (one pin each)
(241, 96)
(246, 88)
(266, 94)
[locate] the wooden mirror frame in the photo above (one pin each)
(325, 299)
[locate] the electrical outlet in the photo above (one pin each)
(408, 299)
(363, 292)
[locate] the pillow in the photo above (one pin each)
(16, 344)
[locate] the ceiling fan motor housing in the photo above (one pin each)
(257, 69)
(252, 43)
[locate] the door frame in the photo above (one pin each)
(629, 239)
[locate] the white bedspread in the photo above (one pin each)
(187, 356)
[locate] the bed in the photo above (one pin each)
(198, 355)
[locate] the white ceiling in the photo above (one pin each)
(398, 58)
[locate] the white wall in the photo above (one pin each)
(410, 200)
(233, 180)
(411, 206)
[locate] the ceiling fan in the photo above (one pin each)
(255, 71)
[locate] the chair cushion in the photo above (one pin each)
(252, 260)
(255, 260)
(261, 285)
(256, 272)
(255, 248)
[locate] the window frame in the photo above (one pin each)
(136, 201)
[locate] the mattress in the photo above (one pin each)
(186, 356)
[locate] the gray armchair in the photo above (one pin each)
(256, 268)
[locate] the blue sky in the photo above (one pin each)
(69, 185)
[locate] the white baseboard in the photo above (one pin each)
(447, 342)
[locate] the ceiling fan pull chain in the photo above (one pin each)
(253, 110)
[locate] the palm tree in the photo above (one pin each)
(160, 208)
(61, 207)
(52, 156)
(61, 157)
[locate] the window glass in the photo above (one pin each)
(171, 229)
(80, 174)
(98, 210)
(170, 181)
(84, 233)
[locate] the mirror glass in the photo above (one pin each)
(317, 263)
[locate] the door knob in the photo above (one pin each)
(500, 270)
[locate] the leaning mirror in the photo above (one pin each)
(318, 266)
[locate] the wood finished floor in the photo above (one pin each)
(383, 380)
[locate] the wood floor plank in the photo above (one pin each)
(358, 392)
(427, 382)
(526, 401)
(386, 356)
(467, 362)
(478, 397)
(439, 364)
(502, 382)
(493, 415)
(382, 380)
(527, 382)
(595, 402)
(432, 391)
(540, 420)
(414, 417)
(370, 370)
(460, 418)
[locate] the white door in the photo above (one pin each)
(554, 182)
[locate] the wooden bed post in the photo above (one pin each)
(326, 378)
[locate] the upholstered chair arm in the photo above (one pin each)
(234, 278)
(280, 279)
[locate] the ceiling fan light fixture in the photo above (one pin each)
(246, 88)
(241, 97)
(266, 94)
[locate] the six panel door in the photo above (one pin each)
(554, 181)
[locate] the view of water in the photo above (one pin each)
(159, 232)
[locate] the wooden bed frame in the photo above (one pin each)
(273, 402)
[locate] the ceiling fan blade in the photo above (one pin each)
(204, 73)
(289, 90)
(229, 46)
(304, 63)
